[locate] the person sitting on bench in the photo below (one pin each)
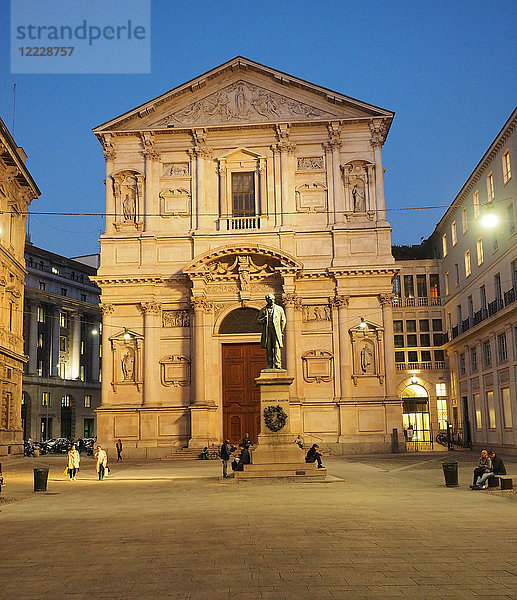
(497, 468)
(484, 466)
(314, 456)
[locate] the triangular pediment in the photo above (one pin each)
(241, 92)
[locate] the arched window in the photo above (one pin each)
(241, 320)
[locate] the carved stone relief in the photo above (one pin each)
(311, 197)
(175, 370)
(175, 318)
(316, 313)
(243, 102)
(503, 375)
(318, 366)
(175, 202)
(179, 169)
(310, 163)
(488, 380)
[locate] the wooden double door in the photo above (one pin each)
(242, 363)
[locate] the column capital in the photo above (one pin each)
(339, 301)
(150, 308)
(385, 299)
(292, 300)
(378, 130)
(106, 309)
(200, 303)
(284, 147)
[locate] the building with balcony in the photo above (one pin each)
(62, 330)
(241, 182)
(479, 282)
(17, 190)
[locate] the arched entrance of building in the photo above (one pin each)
(241, 364)
(415, 417)
(66, 416)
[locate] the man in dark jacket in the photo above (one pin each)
(314, 456)
(244, 458)
(225, 457)
(497, 468)
(484, 466)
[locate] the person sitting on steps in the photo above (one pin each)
(314, 456)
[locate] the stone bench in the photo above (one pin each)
(503, 481)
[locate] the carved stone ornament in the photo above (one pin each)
(318, 366)
(316, 313)
(359, 186)
(201, 303)
(106, 309)
(378, 130)
(243, 102)
(241, 267)
(367, 351)
(153, 308)
(126, 356)
(311, 197)
(175, 370)
(310, 163)
(179, 169)
(339, 301)
(488, 380)
(128, 189)
(176, 318)
(175, 202)
(292, 300)
(503, 375)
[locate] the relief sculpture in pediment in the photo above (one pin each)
(243, 102)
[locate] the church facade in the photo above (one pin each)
(242, 182)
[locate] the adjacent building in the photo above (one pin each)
(241, 182)
(62, 331)
(476, 241)
(17, 190)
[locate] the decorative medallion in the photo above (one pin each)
(275, 417)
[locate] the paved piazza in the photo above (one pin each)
(383, 528)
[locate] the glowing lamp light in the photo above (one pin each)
(489, 220)
(362, 324)
(126, 335)
(414, 379)
(95, 332)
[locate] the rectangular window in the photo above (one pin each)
(510, 219)
(444, 245)
(42, 286)
(82, 347)
(495, 241)
(507, 169)
(437, 325)
(411, 325)
(41, 314)
(467, 263)
(45, 399)
(397, 326)
(464, 220)
(513, 268)
(63, 291)
(87, 401)
(62, 370)
(441, 389)
(62, 343)
(425, 339)
(507, 408)
(473, 359)
(81, 372)
(437, 339)
(396, 286)
(434, 285)
(461, 364)
(479, 251)
(477, 411)
(423, 324)
(454, 384)
(399, 341)
(454, 236)
(63, 319)
(412, 356)
(409, 286)
(400, 357)
(441, 406)
(470, 307)
(476, 204)
(502, 350)
(490, 409)
(487, 354)
(490, 186)
(411, 340)
(447, 283)
(88, 428)
(243, 194)
(40, 340)
(421, 286)
(439, 356)
(482, 298)
(83, 297)
(40, 368)
(456, 273)
(498, 290)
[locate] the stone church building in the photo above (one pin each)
(241, 182)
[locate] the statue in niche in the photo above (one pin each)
(359, 197)
(129, 205)
(272, 320)
(128, 365)
(366, 360)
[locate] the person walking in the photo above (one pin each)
(101, 462)
(73, 462)
(225, 457)
(119, 450)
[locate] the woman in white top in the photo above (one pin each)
(73, 462)
(102, 462)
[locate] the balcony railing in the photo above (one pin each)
(493, 308)
(239, 223)
(421, 366)
(427, 301)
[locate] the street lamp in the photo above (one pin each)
(490, 218)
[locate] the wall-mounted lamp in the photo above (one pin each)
(414, 379)
(490, 218)
(363, 324)
(127, 335)
(95, 332)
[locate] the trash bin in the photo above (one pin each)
(40, 480)
(450, 471)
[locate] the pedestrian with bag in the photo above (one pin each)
(101, 465)
(73, 460)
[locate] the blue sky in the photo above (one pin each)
(446, 68)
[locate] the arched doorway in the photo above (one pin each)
(416, 415)
(66, 416)
(241, 364)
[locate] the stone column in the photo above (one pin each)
(292, 305)
(199, 154)
(151, 312)
(345, 352)
(109, 155)
(75, 353)
(334, 146)
(54, 349)
(199, 306)
(385, 301)
(378, 132)
(330, 185)
(33, 338)
(95, 342)
(107, 357)
(151, 209)
(224, 209)
(287, 205)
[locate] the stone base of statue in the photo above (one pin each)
(276, 455)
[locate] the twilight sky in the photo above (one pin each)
(446, 68)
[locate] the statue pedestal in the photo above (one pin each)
(276, 455)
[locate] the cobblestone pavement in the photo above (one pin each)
(385, 527)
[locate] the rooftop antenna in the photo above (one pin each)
(14, 103)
